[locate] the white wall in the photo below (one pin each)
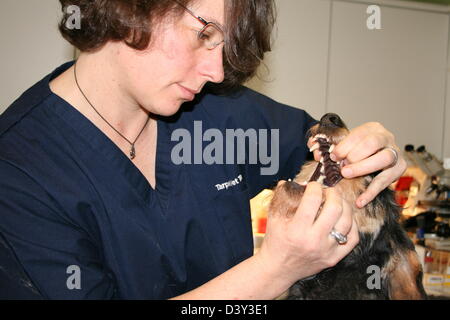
(396, 75)
(298, 63)
(326, 60)
(446, 144)
(31, 46)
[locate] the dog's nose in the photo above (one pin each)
(332, 120)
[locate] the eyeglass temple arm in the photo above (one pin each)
(192, 14)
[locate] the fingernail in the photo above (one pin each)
(362, 203)
(347, 172)
(333, 157)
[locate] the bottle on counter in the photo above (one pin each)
(430, 164)
(445, 178)
(428, 263)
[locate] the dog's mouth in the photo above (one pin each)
(326, 134)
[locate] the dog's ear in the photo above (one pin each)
(286, 198)
(403, 276)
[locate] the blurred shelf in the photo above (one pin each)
(435, 203)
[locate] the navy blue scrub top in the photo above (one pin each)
(70, 198)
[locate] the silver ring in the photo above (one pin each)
(395, 153)
(339, 237)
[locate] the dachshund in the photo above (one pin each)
(384, 264)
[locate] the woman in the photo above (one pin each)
(94, 206)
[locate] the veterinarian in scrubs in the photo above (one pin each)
(94, 201)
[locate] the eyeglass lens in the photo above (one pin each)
(211, 36)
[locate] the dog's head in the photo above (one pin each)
(328, 133)
(376, 220)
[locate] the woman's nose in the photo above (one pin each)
(212, 66)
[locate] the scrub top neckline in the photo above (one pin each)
(113, 154)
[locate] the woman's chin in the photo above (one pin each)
(169, 109)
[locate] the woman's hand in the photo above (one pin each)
(300, 246)
(365, 151)
(295, 246)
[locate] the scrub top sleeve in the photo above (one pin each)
(290, 147)
(59, 257)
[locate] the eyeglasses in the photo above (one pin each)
(211, 35)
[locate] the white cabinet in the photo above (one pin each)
(31, 45)
(327, 60)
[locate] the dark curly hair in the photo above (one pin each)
(248, 24)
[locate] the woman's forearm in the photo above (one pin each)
(250, 279)
(294, 248)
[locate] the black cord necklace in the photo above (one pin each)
(133, 149)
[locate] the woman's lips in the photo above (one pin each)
(188, 94)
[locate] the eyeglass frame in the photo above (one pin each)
(205, 25)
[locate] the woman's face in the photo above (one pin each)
(175, 66)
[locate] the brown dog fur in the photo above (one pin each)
(383, 243)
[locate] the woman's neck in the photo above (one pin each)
(102, 85)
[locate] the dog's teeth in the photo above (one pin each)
(314, 147)
(304, 183)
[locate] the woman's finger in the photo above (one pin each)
(377, 137)
(344, 224)
(379, 161)
(309, 206)
(381, 182)
(343, 148)
(331, 211)
(367, 147)
(310, 142)
(352, 240)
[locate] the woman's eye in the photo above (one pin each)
(203, 36)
